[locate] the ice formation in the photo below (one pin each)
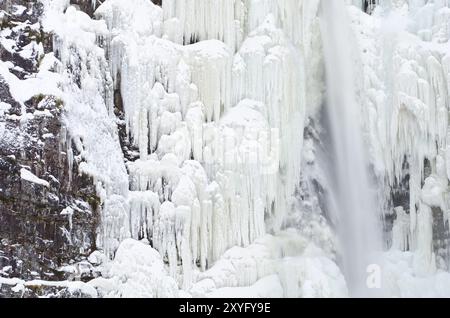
(138, 271)
(405, 87)
(216, 120)
(214, 98)
(407, 118)
(208, 131)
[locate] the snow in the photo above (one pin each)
(404, 56)
(273, 266)
(69, 213)
(8, 44)
(287, 260)
(4, 107)
(23, 90)
(19, 10)
(87, 106)
(433, 191)
(216, 96)
(137, 271)
(142, 17)
(401, 280)
(29, 176)
(71, 286)
(212, 172)
(267, 287)
(222, 20)
(180, 107)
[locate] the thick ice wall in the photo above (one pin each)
(217, 124)
(180, 102)
(405, 57)
(189, 21)
(197, 75)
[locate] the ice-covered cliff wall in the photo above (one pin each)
(199, 124)
(210, 116)
(219, 136)
(48, 213)
(405, 93)
(211, 100)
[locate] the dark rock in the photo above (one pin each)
(32, 229)
(35, 238)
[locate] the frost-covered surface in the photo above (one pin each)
(213, 133)
(138, 270)
(19, 286)
(199, 123)
(405, 55)
(286, 265)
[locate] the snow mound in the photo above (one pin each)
(137, 271)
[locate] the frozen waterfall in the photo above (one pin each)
(352, 201)
(251, 148)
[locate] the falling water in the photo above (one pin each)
(352, 202)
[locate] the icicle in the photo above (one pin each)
(205, 20)
(401, 230)
(424, 258)
(219, 134)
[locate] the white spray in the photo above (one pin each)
(352, 202)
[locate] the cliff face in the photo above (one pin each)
(48, 211)
(180, 148)
(155, 157)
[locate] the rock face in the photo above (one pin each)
(48, 220)
(48, 211)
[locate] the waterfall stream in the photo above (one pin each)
(351, 202)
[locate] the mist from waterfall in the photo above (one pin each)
(351, 199)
